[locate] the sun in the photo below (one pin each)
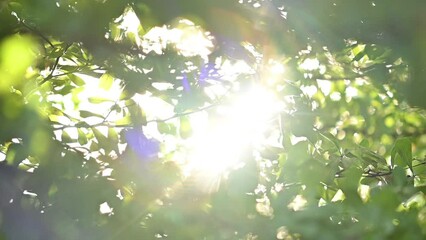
(222, 134)
(218, 145)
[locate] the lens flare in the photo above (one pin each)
(218, 145)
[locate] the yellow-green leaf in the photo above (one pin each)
(106, 81)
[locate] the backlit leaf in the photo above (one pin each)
(82, 138)
(402, 148)
(106, 81)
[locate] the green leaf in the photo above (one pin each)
(126, 120)
(364, 143)
(402, 148)
(86, 114)
(369, 157)
(82, 138)
(15, 6)
(399, 176)
(57, 52)
(82, 125)
(65, 137)
(166, 128)
(185, 129)
(99, 100)
(358, 52)
(109, 142)
(65, 90)
(113, 136)
(330, 144)
(349, 184)
(137, 115)
(94, 146)
(77, 80)
(116, 32)
(16, 153)
(102, 139)
(106, 81)
(281, 161)
(419, 167)
(54, 118)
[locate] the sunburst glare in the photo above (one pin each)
(218, 145)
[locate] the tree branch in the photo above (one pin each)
(83, 124)
(55, 65)
(37, 32)
(177, 115)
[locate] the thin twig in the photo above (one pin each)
(107, 124)
(37, 32)
(177, 115)
(55, 65)
(377, 174)
(422, 163)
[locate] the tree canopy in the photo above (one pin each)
(250, 119)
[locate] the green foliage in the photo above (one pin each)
(105, 106)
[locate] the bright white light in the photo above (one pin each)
(325, 86)
(130, 22)
(154, 107)
(251, 112)
(155, 40)
(213, 155)
(310, 64)
(104, 208)
(298, 203)
(219, 144)
(351, 92)
(277, 68)
(194, 42)
(309, 90)
(190, 40)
